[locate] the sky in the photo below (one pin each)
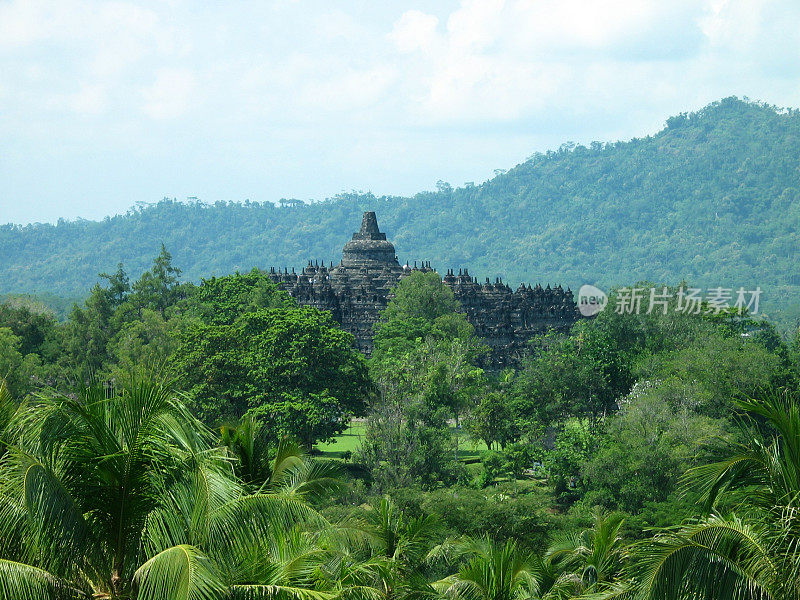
(106, 104)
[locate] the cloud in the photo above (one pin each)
(510, 60)
(415, 31)
(90, 99)
(454, 88)
(171, 95)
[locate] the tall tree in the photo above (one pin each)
(424, 365)
(290, 366)
(157, 288)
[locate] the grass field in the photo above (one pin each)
(351, 439)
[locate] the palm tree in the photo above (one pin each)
(753, 551)
(493, 572)
(8, 407)
(121, 493)
(589, 561)
(250, 442)
(290, 470)
(398, 538)
(381, 553)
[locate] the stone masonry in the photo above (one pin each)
(359, 288)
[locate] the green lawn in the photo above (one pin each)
(351, 439)
(467, 447)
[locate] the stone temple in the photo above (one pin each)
(359, 288)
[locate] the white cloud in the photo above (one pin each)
(90, 99)
(293, 82)
(531, 59)
(171, 95)
(415, 31)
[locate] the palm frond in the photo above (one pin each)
(718, 558)
(313, 480)
(289, 456)
(8, 408)
(275, 592)
(247, 524)
(19, 581)
(361, 592)
(178, 573)
(59, 534)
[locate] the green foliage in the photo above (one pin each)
(421, 296)
(502, 512)
(751, 553)
(511, 463)
(120, 493)
(156, 289)
(89, 331)
(149, 341)
(34, 326)
(220, 300)
(492, 420)
(590, 561)
(8, 408)
(424, 366)
(407, 441)
(43, 303)
(580, 374)
(422, 308)
(292, 367)
(124, 324)
(574, 444)
(493, 571)
(19, 371)
(714, 371)
(646, 448)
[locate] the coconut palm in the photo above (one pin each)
(398, 538)
(752, 551)
(8, 407)
(121, 493)
(588, 561)
(381, 553)
(492, 572)
(289, 470)
(250, 442)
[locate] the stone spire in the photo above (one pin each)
(369, 247)
(369, 228)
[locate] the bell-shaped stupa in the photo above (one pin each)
(369, 247)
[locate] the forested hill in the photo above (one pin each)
(713, 198)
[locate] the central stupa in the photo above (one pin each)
(369, 247)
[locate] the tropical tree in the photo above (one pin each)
(292, 367)
(286, 468)
(121, 493)
(588, 561)
(492, 420)
(493, 571)
(748, 545)
(398, 538)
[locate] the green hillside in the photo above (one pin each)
(713, 198)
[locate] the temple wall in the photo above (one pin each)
(358, 289)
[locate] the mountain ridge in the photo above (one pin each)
(714, 198)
